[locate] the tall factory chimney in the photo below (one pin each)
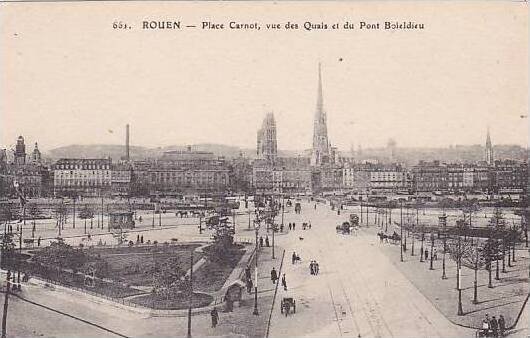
(127, 154)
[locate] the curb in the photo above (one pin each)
(274, 298)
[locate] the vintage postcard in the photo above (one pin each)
(264, 169)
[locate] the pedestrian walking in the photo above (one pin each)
(309, 225)
(502, 325)
(247, 273)
(426, 254)
(435, 254)
(138, 238)
(485, 327)
(38, 241)
(294, 226)
(293, 257)
(281, 228)
(312, 268)
(215, 317)
(142, 239)
(290, 226)
(274, 275)
(284, 282)
(250, 285)
(494, 325)
(267, 244)
(261, 241)
(316, 268)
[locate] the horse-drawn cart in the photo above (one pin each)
(345, 228)
(286, 305)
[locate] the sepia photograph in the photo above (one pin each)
(264, 169)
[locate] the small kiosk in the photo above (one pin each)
(121, 220)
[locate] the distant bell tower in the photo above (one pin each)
(20, 151)
(320, 152)
(127, 141)
(36, 155)
(489, 150)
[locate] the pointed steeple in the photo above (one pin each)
(320, 96)
(489, 149)
(320, 129)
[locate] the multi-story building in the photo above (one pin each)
(482, 178)
(121, 178)
(509, 176)
(179, 172)
(286, 176)
(429, 177)
(390, 178)
(82, 177)
(357, 177)
(455, 177)
(28, 177)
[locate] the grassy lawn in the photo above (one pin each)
(211, 276)
(128, 267)
(131, 265)
(176, 301)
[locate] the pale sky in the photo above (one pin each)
(68, 78)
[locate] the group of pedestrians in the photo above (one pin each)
(493, 326)
(292, 226)
(265, 242)
(425, 253)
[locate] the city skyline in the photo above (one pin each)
(433, 89)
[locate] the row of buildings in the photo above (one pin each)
(188, 171)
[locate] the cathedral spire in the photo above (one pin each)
(320, 96)
(489, 149)
(320, 130)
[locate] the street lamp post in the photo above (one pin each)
(255, 312)
(443, 221)
(190, 304)
(422, 240)
(401, 230)
(432, 249)
(475, 295)
(459, 272)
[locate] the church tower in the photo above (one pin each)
(36, 156)
(20, 151)
(267, 145)
(320, 153)
(489, 150)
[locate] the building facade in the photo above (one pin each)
(82, 177)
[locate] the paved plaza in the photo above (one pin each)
(359, 292)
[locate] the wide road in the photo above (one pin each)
(358, 293)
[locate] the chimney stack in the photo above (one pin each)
(127, 155)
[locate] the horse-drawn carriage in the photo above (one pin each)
(394, 238)
(345, 228)
(354, 220)
(286, 305)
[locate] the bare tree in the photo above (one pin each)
(474, 259)
(498, 225)
(459, 248)
(34, 213)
